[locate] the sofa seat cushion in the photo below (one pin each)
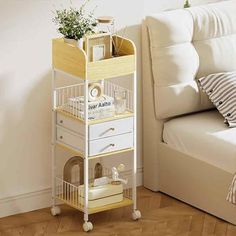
(203, 136)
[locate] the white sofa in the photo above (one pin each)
(189, 153)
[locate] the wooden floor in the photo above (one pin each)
(161, 215)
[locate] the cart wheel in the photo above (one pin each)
(136, 215)
(87, 226)
(55, 210)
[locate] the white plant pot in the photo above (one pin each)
(80, 43)
(70, 41)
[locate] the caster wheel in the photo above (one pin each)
(87, 226)
(55, 211)
(136, 215)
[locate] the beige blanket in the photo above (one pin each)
(231, 197)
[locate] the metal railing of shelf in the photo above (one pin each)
(70, 98)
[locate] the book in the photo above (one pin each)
(99, 109)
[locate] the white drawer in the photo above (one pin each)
(110, 144)
(111, 128)
(71, 139)
(70, 123)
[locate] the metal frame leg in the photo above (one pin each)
(134, 191)
(86, 162)
(53, 138)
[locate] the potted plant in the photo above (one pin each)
(74, 23)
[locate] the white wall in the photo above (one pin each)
(25, 73)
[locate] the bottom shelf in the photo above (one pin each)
(113, 195)
(125, 202)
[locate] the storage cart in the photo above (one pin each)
(92, 135)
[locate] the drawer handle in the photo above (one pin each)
(61, 121)
(112, 145)
(106, 131)
(61, 137)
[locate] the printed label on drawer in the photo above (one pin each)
(111, 144)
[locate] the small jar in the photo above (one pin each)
(120, 99)
(106, 24)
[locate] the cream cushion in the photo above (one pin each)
(187, 44)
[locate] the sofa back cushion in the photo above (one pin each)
(185, 45)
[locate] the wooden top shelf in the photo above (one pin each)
(73, 60)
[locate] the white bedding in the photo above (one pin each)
(205, 137)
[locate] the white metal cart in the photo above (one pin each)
(92, 139)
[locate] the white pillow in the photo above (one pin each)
(221, 89)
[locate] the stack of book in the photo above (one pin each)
(99, 109)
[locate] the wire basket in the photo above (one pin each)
(70, 99)
(73, 193)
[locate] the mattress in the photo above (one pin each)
(205, 137)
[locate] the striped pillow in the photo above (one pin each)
(221, 89)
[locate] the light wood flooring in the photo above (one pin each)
(161, 215)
